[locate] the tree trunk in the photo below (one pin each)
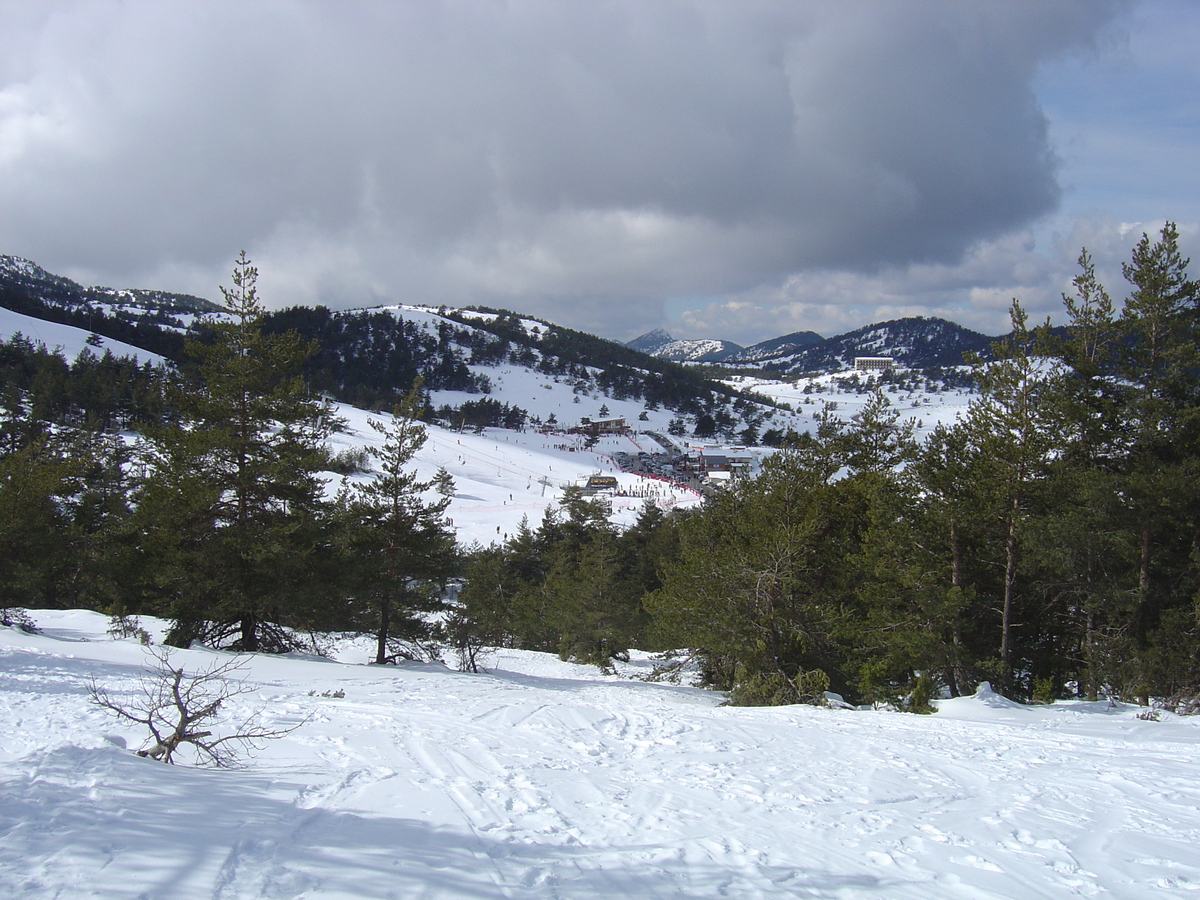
(1143, 579)
(249, 639)
(955, 556)
(956, 675)
(381, 636)
(1010, 574)
(1092, 692)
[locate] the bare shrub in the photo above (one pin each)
(181, 709)
(1184, 703)
(468, 640)
(120, 626)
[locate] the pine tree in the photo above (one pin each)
(592, 612)
(947, 530)
(234, 501)
(1159, 368)
(33, 524)
(401, 549)
(1082, 553)
(1158, 382)
(63, 505)
(502, 597)
(878, 441)
(1016, 431)
(899, 615)
(758, 584)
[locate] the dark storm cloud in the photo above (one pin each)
(585, 161)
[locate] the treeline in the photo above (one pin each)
(1048, 541)
(213, 513)
(370, 358)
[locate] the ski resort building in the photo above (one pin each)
(599, 427)
(720, 464)
(873, 363)
(600, 484)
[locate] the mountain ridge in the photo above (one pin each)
(370, 357)
(915, 342)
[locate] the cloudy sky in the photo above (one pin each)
(736, 168)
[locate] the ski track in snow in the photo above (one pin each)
(541, 779)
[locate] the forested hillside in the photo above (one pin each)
(916, 343)
(154, 320)
(371, 357)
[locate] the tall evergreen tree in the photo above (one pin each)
(401, 549)
(1016, 431)
(1083, 550)
(233, 504)
(949, 514)
(1159, 369)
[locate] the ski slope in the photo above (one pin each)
(540, 779)
(503, 476)
(68, 340)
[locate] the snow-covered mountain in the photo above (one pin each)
(775, 347)
(651, 342)
(917, 342)
(25, 287)
(659, 343)
(154, 321)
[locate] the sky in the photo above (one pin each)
(739, 169)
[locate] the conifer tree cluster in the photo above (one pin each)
(574, 586)
(212, 509)
(1048, 542)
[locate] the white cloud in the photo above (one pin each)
(590, 163)
(976, 292)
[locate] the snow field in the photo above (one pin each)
(543, 779)
(928, 409)
(66, 339)
(498, 475)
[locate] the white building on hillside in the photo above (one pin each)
(873, 363)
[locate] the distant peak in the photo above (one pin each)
(22, 266)
(651, 341)
(658, 334)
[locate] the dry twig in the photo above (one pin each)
(180, 709)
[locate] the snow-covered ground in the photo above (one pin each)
(808, 395)
(66, 339)
(502, 476)
(543, 779)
